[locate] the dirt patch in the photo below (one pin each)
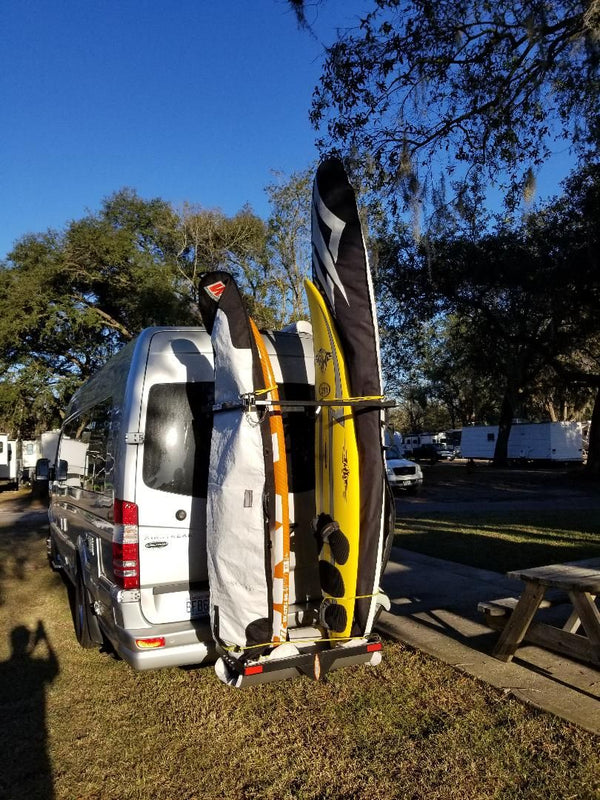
(22, 500)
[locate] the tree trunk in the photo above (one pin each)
(593, 460)
(552, 412)
(506, 418)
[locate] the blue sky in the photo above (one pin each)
(192, 100)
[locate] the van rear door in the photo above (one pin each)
(172, 471)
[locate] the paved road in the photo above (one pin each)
(457, 487)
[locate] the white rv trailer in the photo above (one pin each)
(411, 441)
(540, 441)
(49, 444)
(9, 462)
(43, 446)
(31, 452)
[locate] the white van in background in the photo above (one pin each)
(128, 495)
(401, 473)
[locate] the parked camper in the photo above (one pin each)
(9, 462)
(31, 453)
(128, 495)
(542, 441)
(43, 448)
(49, 444)
(413, 441)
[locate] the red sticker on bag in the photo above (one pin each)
(215, 290)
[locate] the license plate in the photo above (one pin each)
(198, 605)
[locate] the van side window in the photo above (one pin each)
(97, 464)
(86, 444)
(177, 437)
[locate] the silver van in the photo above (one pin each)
(128, 497)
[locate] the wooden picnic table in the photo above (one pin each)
(580, 583)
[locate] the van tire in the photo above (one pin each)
(82, 613)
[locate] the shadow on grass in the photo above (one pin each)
(504, 543)
(25, 769)
(19, 550)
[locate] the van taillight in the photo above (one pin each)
(125, 545)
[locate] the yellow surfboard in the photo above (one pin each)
(280, 526)
(337, 480)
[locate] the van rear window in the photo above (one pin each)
(177, 437)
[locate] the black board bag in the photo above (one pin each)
(341, 272)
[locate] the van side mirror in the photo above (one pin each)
(62, 469)
(42, 469)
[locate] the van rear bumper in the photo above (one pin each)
(184, 645)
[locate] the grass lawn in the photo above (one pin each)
(503, 540)
(80, 724)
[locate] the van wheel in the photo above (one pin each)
(82, 614)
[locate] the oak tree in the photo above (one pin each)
(423, 88)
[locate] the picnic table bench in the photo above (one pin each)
(577, 582)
